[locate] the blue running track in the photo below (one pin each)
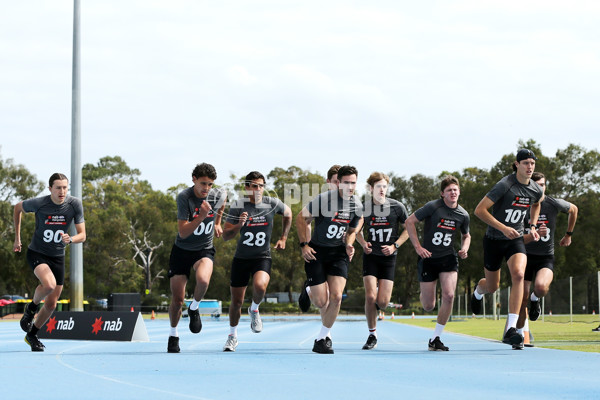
(278, 364)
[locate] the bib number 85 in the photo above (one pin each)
(51, 236)
(440, 238)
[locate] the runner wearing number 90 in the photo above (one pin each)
(46, 253)
(383, 219)
(199, 212)
(513, 198)
(337, 215)
(252, 217)
(437, 257)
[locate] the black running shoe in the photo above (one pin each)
(518, 346)
(304, 299)
(27, 319)
(476, 304)
(534, 310)
(321, 347)
(437, 345)
(173, 346)
(371, 343)
(596, 329)
(512, 337)
(195, 323)
(328, 341)
(34, 342)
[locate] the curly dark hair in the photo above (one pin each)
(253, 176)
(206, 170)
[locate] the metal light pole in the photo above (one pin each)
(76, 191)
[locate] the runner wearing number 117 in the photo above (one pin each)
(252, 217)
(337, 214)
(199, 212)
(46, 253)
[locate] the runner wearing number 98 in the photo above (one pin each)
(437, 257)
(337, 215)
(199, 212)
(46, 253)
(383, 219)
(513, 198)
(252, 217)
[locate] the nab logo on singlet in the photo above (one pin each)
(258, 220)
(56, 220)
(379, 221)
(341, 216)
(524, 202)
(447, 224)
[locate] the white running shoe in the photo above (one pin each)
(231, 343)
(256, 322)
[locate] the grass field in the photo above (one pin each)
(555, 332)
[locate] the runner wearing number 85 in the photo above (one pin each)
(383, 220)
(252, 216)
(513, 198)
(337, 214)
(46, 253)
(437, 256)
(199, 212)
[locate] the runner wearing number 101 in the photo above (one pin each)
(337, 214)
(513, 198)
(252, 216)
(383, 219)
(46, 253)
(199, 212)
(437, 257)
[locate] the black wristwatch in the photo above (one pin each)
(569, 233)
(396, 245)
(302, 244)
(532, 226)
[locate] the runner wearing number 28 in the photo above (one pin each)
(46, 253)
(199, 212)
(337, 214)
(252, 217)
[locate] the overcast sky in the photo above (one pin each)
(403, 86)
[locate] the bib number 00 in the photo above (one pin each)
(51, 236)
(202, 228)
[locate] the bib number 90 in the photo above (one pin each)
(51, 236)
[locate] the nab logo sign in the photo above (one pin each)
(106, 326)
(60, 325)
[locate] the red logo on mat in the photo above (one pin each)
(51, 325)
(97, 326)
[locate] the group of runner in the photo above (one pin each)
(327, 228)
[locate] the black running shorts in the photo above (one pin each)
(181, 261)
(243, 268)
(535, 263)
(430, 268)
(56, 264)
(381, 267)
(495, 250)
(330, 261)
